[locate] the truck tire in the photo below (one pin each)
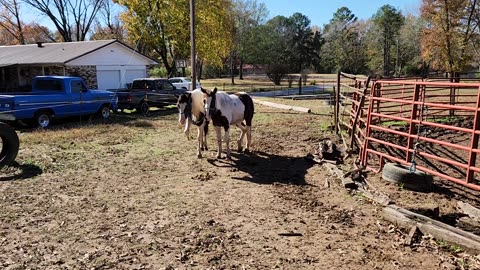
(43, 119)
(104, 111)
(9, 145)
(143, 108)
(401, 175)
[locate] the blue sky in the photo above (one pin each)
(321, 11)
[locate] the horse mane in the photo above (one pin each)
(197, 104)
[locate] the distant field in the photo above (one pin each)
(262, 83)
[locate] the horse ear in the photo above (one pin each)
(215, 90)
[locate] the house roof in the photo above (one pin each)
(52, 53)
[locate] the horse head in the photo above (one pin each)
(184, 105)
(210, 101)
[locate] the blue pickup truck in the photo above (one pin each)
(56, 97)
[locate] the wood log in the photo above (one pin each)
(469, 210)
(347, 182)
(282, 106)
(412, 235)
(441, 231)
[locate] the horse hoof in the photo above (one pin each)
(199, 156)
(246, 151)
(219, 157)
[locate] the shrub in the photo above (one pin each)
(276, 72)
(158, 72)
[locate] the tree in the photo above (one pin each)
(343, 48)
(72, 18)
(10, 19)
(247, 14)
(108, 25)
(160, 28)
(409, 61)
(451, 33)
(303, 48)
(389, 21)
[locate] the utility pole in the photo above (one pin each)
(193, 59)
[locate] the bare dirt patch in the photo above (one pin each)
(132, 195)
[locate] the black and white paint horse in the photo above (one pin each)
(225, 110)
(191, 110)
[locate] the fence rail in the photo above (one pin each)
(429, 125)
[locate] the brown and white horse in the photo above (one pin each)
(225, 110)
(191, 110)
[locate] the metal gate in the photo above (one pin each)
(431, 126)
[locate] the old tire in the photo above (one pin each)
(401, 175)
(9, 145)
(43, 119)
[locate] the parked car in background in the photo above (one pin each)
(183, 82)
(148, 92)
(56, 97)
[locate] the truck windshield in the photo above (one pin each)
(49, 85)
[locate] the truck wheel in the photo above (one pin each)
(43, 119)
(104, 112)
(9, 144)
(401, 175)
(143, 108)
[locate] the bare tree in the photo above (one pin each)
(10, 19)
(108, 24)
(72, 18)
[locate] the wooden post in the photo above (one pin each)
(193, 58)
(300, 86)
(337, 103)
(358, 112)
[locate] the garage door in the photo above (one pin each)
(108, 79)
(134, 74)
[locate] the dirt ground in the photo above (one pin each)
(131, 194)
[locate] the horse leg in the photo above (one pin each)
(219, 141)
(227, 142)
(205, 133)
(187, 129)
(199, 139)
(249, 138)
(242, 134)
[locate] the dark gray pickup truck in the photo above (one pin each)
(148, 92)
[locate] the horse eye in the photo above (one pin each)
(204, 101)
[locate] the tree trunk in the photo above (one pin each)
(241, 69)
(200, 69)
(232, 68)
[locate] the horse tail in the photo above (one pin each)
(249, 108)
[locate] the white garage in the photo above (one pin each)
(104, 64)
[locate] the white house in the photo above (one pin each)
(104, 64)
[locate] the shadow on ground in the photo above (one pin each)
(19, 172)
(265, 168)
